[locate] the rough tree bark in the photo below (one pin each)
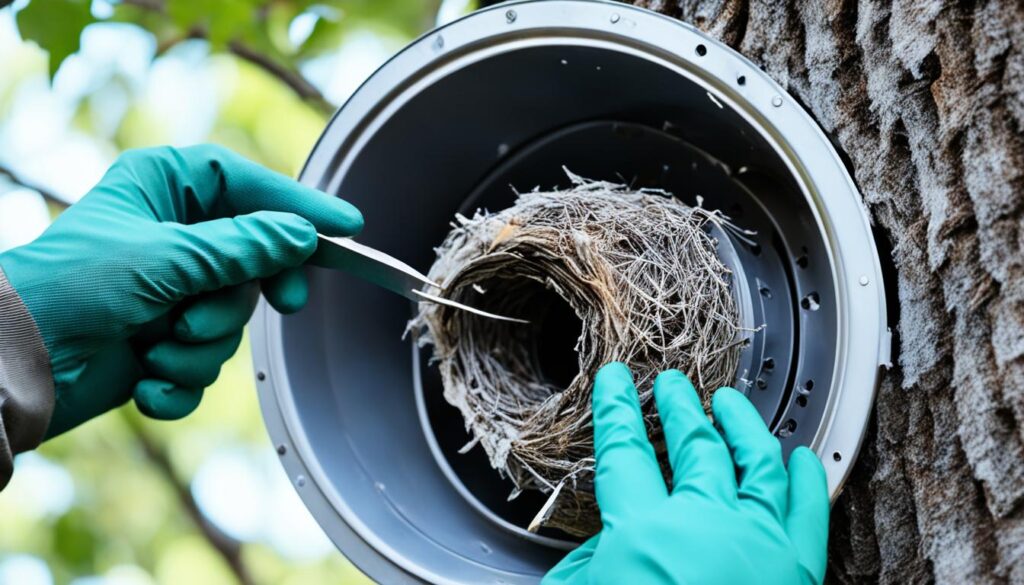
(926, 100)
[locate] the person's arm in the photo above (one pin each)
(141, 290)
(733, 514)
(26, 385)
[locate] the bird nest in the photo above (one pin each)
(616, 274)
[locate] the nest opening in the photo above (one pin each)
(555, 330)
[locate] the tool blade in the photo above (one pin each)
(386, 272)
(371, 265)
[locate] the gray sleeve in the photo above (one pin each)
(26, 383)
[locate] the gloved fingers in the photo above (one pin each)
(227, 252)
(200, 183)
(757, 454)
(700, 461)
(190, 365)
(164, 400)
(105, 383)
(572, 569)
(217, 314)
(229, 184)
(156, 330)
(628, 477)
(286, 291)
(807, 522)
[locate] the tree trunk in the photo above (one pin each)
(926, 101)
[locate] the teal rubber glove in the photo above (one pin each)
(143, 287)
(734, 514)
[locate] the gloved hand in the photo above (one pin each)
(734, 515)
(143, 287)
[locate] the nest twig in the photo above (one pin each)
(639, 270)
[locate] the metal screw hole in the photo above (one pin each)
(741, 80)
(801, 401)
(702, 50)
(787, 428)
(802, 261)
(769, 364)
(837, 456)
(809, 385)
(811, 302)
(766, 292)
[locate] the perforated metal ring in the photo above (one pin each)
(492, 100)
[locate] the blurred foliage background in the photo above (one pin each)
(124, 500)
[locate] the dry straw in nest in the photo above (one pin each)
(639, 270)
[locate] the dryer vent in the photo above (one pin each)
(501, 100)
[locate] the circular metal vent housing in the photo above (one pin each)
(503, 98)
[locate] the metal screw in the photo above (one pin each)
(439, 43)
(777, 101)
(615, 18)
(281, 449)
(864, 280)
(300, 480)
(510, 16)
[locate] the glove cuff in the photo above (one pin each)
(26, 381)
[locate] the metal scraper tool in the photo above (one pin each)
(385, 271)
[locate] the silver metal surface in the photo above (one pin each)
(340, 395)
(371, 265)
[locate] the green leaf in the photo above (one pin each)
(279, 18)
(230, 20)
(326, 37)
(56, 26)
(187, 13)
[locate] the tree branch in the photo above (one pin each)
(302, 87)
(293, 79)
(46, 193)
(227, 547)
